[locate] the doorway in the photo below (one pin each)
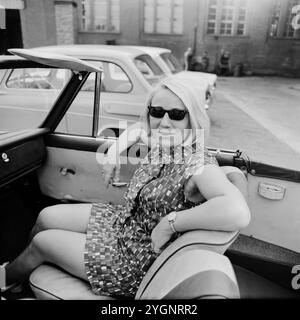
(11, 36)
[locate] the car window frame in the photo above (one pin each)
(6, 78)
(168, 55)
(108, 61)
(157, 77)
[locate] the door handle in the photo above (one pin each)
(116, 182)
(119, 184)
(66, 171)
(5, 157)
(271, 191)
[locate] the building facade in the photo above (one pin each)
(262, 34)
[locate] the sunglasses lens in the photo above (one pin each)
(156, 112)
(174, 114)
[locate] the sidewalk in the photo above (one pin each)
(259, 116)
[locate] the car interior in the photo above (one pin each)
(39, 168)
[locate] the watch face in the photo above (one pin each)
(172, 216)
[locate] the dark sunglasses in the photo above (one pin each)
(174, 114)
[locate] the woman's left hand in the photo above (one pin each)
(161, 234)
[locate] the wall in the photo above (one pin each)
(264, 54)
(129, 26)
(38, 23)
(177, 43)
(66, 18)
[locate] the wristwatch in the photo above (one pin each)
(171, 218)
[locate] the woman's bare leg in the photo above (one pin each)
(60, 247)
(71, 217)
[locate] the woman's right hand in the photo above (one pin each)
(111, 173)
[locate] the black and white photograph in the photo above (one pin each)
(149, 152)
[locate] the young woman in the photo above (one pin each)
(178, 187)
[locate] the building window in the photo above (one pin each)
(227, 17)
(100, 15)
(163, 16)
(285, 14)
(292, 11)
(212, 17)
(274, 30)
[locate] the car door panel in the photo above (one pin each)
(75, 175)
(274, 221)
(73, 172)
(21, 153)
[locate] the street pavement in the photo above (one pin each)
(259, 116)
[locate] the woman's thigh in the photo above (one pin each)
(63, 248)
(71, 217)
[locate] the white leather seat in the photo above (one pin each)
(200, 249)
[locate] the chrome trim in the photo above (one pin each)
(96, 104)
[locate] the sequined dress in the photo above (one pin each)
(118, 249)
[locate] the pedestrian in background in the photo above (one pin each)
(188, 56)
(205, 61)
(224, 65)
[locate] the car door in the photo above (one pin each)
(274, 202)
(72, 171)
(270, 244)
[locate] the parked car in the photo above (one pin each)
(128, 77)
(40, 166)
(171, 66)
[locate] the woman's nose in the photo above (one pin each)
(165, 121)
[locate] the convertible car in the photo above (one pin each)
(42, 166)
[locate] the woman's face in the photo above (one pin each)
(165, 130)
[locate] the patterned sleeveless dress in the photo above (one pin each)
(118, 249)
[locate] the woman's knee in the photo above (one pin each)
(38, 244)
(46, 218)
(42, 243)
(38, 241)
(71, 217)
(62, 248)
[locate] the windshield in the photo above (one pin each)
(28, 95)
(149, 69)
(172, 62)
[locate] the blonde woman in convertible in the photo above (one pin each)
(178, 187)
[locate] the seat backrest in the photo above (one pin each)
(216, 241)
(238, 178)
(193, 274)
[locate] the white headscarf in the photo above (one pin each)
(193, 98)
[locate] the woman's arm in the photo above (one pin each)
(112, 164)
(225, 208)
(129, 136)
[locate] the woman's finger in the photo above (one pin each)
(108, 172)
(107, 179)
(155, 248)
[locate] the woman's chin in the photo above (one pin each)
(167, 141)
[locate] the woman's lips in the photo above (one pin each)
(166, 133)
